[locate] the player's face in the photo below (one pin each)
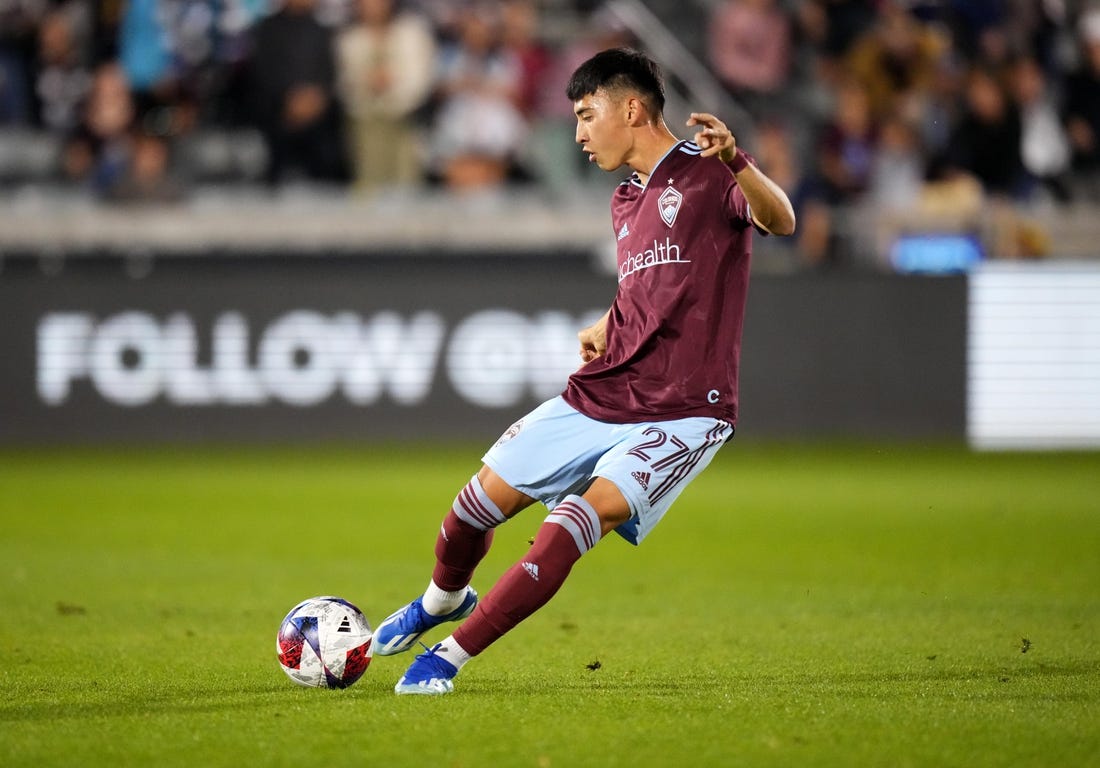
(602, 129)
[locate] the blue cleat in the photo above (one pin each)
(428, 675)
(401, 629)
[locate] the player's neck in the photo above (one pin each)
(652, 143)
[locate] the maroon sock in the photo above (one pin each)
(568, 532)
(458, 549)
(464, 537)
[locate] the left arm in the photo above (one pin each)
(594, 339)
(771, 208)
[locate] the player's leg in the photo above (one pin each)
(636, 481)
(571, 529)
(463, 540)
(467, 533)
(547, 455)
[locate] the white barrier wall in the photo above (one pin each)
(1033, 356)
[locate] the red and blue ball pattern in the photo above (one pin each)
(324, 642)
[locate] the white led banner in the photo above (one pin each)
(1033, 357)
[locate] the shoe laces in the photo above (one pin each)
(431, 657)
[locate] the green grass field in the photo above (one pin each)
(800, 606)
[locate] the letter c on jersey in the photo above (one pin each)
(712, 396)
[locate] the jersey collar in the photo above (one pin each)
(636, 180)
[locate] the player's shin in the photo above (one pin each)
(463, 540)
(568, 532)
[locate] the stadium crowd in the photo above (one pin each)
(934, 106)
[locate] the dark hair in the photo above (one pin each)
(619, 69)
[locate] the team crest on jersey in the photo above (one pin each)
(511, 432)
(669, 203)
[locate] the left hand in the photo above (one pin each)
(714, 137)
(593, 340)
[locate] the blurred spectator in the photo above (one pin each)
(63, 74)
(845, 154)
(519, 21)
(106, 23)
(98, 153)
(18, 25)
(519, 39)
(1044, 146)
(148, 176)
(978, 27)
(847, 146)
(144, 45)
(479, 128)
(1082, 107)
(831, 27)
(897, 172)
(334, 13)
(941, 104)
(444, 16)
(217, 54)
(750, 50)
(897, 61)
(921, 109)
(386, 71)
(994, 32)
(294, 87)
(154, 49)
(986, 142)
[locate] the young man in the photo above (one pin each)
(656, 395)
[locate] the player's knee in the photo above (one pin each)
(508, 499)
(609, 503)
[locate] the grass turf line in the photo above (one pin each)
(840, 605)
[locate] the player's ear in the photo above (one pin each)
(636, 113)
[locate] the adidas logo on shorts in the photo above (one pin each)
(642, 478)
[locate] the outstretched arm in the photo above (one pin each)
(771, 208)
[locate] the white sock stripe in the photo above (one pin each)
(460, 512)
(570, 526)
(590, 514)
(473, 505)
(486, 504)
(466, 507)
(579, 518)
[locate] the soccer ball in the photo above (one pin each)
(324, 642)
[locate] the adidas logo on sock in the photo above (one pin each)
(642, 478)
(532, 570)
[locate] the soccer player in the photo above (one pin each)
(656, 395)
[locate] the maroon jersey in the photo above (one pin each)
(674, 330)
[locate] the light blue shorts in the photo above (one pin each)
(555, 451)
